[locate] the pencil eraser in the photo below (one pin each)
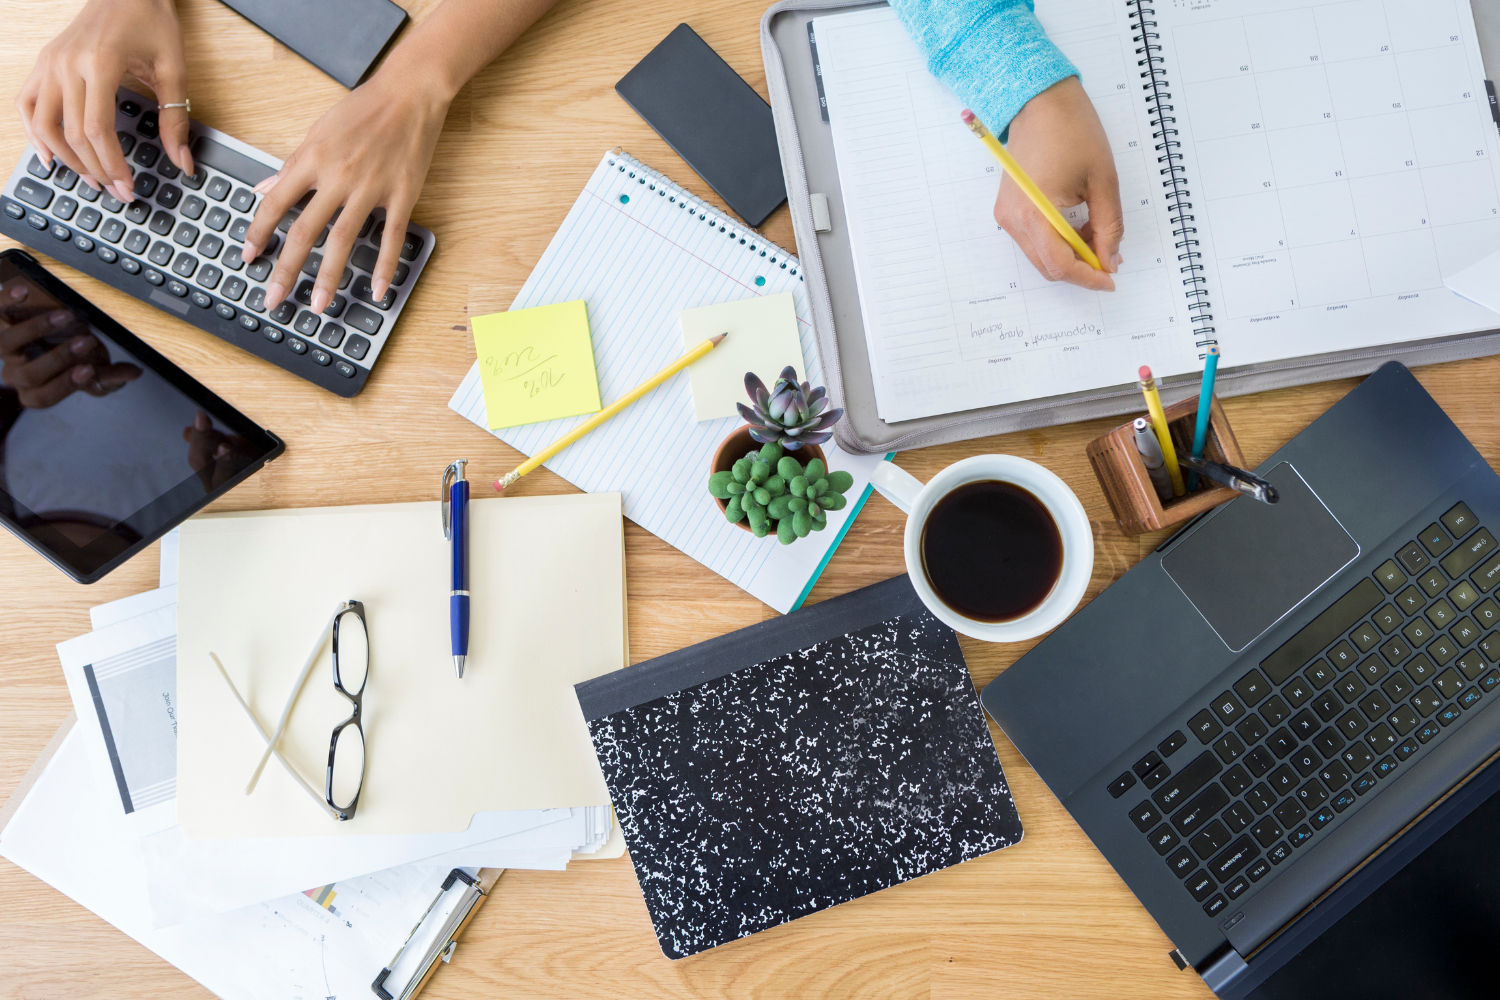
(967, 116)
(1145, 372)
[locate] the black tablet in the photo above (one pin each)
(105, 445)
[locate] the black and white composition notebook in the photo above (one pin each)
(1297, 179)
(797, 764)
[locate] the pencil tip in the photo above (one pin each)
(717, 339)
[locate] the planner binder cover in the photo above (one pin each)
(797, 764)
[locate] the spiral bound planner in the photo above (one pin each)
(639, 249)
(1296, 181)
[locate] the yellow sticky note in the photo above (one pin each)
(536, 364)
(763, 339)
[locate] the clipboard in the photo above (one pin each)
(472, 891)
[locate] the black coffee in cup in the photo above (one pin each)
(991, 551)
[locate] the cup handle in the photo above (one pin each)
(896, 485)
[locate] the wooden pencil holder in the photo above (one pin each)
(1127, 484)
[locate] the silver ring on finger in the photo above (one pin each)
(186, 104)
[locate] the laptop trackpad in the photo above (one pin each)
(1251, 563)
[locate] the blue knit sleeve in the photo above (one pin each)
(994, 54)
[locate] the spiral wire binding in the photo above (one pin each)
(656, 182)
(1169, 158)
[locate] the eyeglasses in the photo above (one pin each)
(345, 774)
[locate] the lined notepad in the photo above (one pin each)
(638, 249)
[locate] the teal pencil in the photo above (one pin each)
(1205, 400)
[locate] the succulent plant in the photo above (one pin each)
(789, 413)
(778, 494)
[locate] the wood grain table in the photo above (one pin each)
(1047, 918)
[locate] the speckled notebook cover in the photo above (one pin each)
(797, 764)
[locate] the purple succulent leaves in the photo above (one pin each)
(791, 412)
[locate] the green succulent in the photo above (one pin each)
(776, 494)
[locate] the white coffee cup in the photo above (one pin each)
(908, 493)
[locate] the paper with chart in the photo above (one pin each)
(955, 315)
(1344, 162)
(639, 250)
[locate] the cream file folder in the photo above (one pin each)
(548, 610)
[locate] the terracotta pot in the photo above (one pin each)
(734, 447)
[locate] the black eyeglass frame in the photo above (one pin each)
(356, 698)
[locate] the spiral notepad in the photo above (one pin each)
(639, 249)
(1294, 181)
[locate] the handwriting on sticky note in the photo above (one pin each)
(536, 364)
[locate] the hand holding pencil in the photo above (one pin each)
(1058, 141)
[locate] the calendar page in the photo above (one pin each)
(1342, 160)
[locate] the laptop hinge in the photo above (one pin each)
(1222, 971)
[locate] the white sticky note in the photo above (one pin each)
(763, 339)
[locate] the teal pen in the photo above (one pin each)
(1205, 400)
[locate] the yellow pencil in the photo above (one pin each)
(1033, 192)
(630, 397)
(1163, 435)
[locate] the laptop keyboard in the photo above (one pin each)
(178, 247)
(1340, 707)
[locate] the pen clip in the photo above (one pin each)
(453, 473)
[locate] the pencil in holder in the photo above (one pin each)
(1127, 484)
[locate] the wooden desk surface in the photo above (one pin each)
(1047, 918)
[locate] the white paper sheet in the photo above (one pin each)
(638, 249)
(105, 615)
(1479, 283)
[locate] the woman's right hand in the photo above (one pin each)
(67, 105)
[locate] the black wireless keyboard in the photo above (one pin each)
(1382, 674)
(177, 246)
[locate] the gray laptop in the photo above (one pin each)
(1276, 727)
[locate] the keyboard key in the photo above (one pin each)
(1322, 816)
(1385, 767)
(177, 288)
(146, 154)
(322, 357)
(33, 193)
(1179, 788)
(1459, 521)
(1260, 798)
(259, 269)
(1428, 732)
(193, 207)
(232, 259)
(1122, 784)
(210, 246)
(1306, 760)
(1327, 706)
(307, 324)
(1229, 748)
(1328, 742)
(1489, 681)
(1180, 861)
(1311, 795)
(256, 300)
(1432, 582)
(1274, 710)
(1258, 871)
(1387, 619)
(148, 125)
(251, 323)
(1166, 747)
(1463, 595)
(367, 321)
(239, 230)
(1363, 784)
(1210, 840)
(137, 212)
(1471, 664)
(1279, 853)
(195, 179)
(145, 185)
(1351, 688)
(1420, 669)
(161, 253)
(1417, 632)
(107, 254)
(1157, 775)
(1267, 831)
(1203, 807)
(1464, 632)
(1259, 761)
(296, 345)
(89, 219)
(200, 300)
(109, 203)
(1397, 688)
(284, 312)
(208, 276)
(83, 243)
(233, 289)
(1366, 636)
(1381, 739)
(1413, 557)
(39, 169)
(64, 208)
(1486, 576)
(130, 265)
(161, 223)
(1434, 538)
(185, 265)
(1283, 780)
(1343, 800)
(1448, 716)
(1470, 698)
(1426, 701)
(1374, 705)
(1358, 757)
(1145, 815)
(1300, 836)
(361, 290)
(333, 335)
(1335, 775)
(1304, 724)
(216, 219)
(218, 189)
(1237, 888)
(1215, 906)
(1407, 747)
(411, 246)
(169, 195)
(1487, 614)
(224, 311)
(1390, 576)
(1200, 885)
(1449, 683)
(1233, 858)
(1141, 767)
(345, 369)
(185, 235)
(14, 211)
(1342, 655)
(1442, 650)
(1469, 553)
(1320, 674)
(1289, 813)
(1281, 743)
(1252, 729)
(66, 179)
(1238, 816)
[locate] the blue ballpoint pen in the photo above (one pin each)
(456, 530)
(1205, 400)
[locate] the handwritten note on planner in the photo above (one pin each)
(536, 364)
(763, 339)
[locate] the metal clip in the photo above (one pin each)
(453, 472)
